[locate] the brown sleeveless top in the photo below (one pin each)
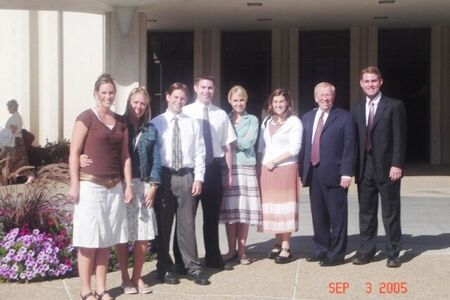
(103, 145)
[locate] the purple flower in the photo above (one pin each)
(18, 257)
(12, 234)
(30, 255)
(7, 245)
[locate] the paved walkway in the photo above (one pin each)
(424, 274)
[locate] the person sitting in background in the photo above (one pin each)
(15, 148)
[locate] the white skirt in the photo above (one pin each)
(100, 216)
(141, 220)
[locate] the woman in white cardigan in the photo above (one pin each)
(279, 145)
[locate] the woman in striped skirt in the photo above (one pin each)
(240, 205)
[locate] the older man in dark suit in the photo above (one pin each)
(381, 126)
(327, 165)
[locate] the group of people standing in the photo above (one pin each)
(131, 177)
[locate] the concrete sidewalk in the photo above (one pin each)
(424, 274)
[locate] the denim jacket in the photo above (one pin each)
(148, 150)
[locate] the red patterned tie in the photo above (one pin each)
(315, 151)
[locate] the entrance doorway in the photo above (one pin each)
(246, 60)
(404, 61)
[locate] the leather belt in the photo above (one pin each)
(179, 172)
(106, 182)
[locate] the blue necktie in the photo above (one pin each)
(207, 137)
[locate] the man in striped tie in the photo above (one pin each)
(182, 152)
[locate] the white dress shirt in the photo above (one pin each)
(192, 144)
(375, 101)
(16, 120)
(222, 132)
(288, 138)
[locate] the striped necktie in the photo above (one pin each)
(177, 155)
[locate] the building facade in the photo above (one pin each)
(50, 59)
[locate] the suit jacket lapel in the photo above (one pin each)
(330, 119)
(362, 121)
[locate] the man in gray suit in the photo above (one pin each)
(182, 151)
(381, 131)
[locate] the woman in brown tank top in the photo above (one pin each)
(100, 219)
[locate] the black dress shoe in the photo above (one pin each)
(180, 270)
(393, 262)
(168, 277)
(274, 252)
(314, 258)
(199, 278)
(284, 259)
(331, 262)
(227, 266)
(361, 258)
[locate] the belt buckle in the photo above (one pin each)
(109, 182)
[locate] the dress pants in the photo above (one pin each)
(175, 198)
(329, 214)
(211, 200)
(368, 190)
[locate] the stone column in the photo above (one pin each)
(363, 53)
(440, 95)
(207, 56)
(285, 61)
(126, 54)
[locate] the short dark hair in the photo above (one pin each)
(370, 70)
(177, 86)
(13, 103)
(204, 77)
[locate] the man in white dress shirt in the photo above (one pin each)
(182, 153)
(218, 134)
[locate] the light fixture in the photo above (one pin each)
(152, 20)
(264, 19)
(386, 1)
(380, 17)
(125, 18)
(254, 4)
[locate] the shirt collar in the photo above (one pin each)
(170, 116)
(198, 102)
(325, 113)
(230, 114)
(375, 100)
